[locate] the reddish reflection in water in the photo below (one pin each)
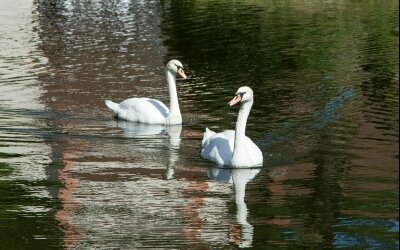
(72, 232)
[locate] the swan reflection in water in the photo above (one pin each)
(239, 177)
(173, 132)
(194, 206)
(137, 130)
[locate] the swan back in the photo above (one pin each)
(219, 147)
(206, 136)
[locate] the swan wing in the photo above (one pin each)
(218, 147)
(143, 110)
(207, 135)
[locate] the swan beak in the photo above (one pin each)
(235, 100)
(181, 73)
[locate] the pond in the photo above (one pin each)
(325, 77)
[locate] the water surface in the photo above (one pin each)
(325, 77)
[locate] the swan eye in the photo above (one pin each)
(179, 67)
(241, 94)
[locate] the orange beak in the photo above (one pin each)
(235, 100)
(182, 73)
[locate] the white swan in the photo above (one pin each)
(151, 111)
(232, 147)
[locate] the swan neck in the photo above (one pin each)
(240, 131)
(173, 95)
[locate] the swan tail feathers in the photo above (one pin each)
(207, 134)
(113, 106)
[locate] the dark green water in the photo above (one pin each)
(325, 76)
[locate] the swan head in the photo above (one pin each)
(176, 67)
(243, 94)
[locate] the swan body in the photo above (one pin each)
(142, 110)
(152, 111)
(219, 147)
(232, 147)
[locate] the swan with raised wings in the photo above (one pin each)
(232, 147)
(152, 111)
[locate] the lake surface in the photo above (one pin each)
(325, 76)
